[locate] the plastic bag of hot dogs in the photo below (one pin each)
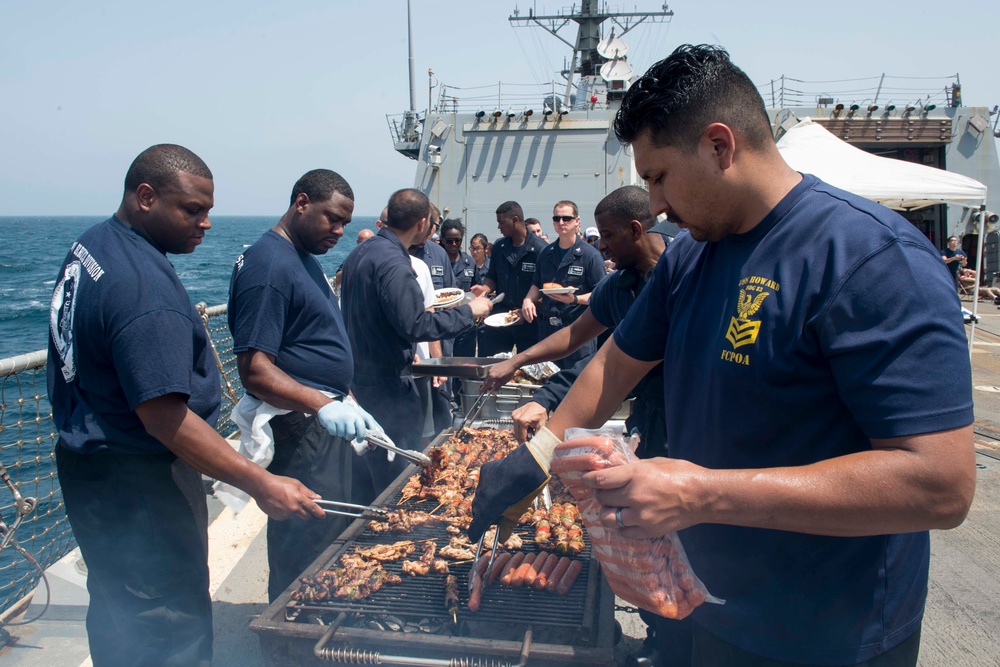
(651, 573)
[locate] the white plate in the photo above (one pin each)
(453, 301)
(560, 290)
(499, 320)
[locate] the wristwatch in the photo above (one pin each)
(576, 300)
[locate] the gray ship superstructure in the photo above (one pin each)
(477, 147)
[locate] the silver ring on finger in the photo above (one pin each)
(618, 518)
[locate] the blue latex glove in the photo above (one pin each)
(345, 420)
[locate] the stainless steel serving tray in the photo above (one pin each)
(456, 367)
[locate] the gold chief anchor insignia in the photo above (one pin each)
(742, 330)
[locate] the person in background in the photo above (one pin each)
(135, 396)
(292, 353)
(534, 225)
(479, 247)
(433, 254)
(954, 258)
(363, 236)
(511, 272)
(807, 439)
(566, 262)
(592, 236)
(385, 315)
(466, 273)
(967, 281)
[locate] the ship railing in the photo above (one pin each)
(500, 96)
(27, 451)
(877, 91)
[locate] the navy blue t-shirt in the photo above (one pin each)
(281, 303)
(123, 331)
(954, 267)
(794, 343)
(512, 269)
(579, 266)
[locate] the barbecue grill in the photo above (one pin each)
(408, 624)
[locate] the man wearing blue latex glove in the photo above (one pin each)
(292, 352)
(507, 487)
(346, 420)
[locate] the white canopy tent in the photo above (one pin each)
(810, 148)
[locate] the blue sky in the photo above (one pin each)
(264, 91)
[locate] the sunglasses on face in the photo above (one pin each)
(563, 218)
(452, 241)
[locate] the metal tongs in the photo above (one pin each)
(384, 442)
(474, 411)
(474, 572)
(352, 510)
(498, 298)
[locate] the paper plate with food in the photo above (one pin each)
(556, 288)
(507, 319)
(447, 297)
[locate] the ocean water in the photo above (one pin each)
(32, 250)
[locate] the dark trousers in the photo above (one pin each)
(141, 522)
(306, 451)
(503, 339)
(396, 405)
(711, 651)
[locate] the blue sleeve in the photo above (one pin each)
(153, 356)
(491, 270)
(398, 289)
(556, 387)
(897, 347)
(595, 268)
(536, 277)
(643, 333)
(258, 319)
(600, 300)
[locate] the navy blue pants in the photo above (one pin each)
(142, 525)
(306, 451)
(396, 405)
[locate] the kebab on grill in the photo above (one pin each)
(451, 596)
(387, 553)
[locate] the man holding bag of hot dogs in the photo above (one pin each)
(811, 451)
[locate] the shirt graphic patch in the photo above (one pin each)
(743, 330)
(437, 270)
(61, 313)
(528, 267)
(575, 271)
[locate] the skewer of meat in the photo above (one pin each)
(451, 596)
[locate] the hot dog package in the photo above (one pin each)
(651, 573)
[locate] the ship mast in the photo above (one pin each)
(408, 132)
(587, 61)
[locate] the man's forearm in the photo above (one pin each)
(600, 389)
(927, 484)
(563, 342)
(169, 420)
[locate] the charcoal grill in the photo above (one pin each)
(409, 625)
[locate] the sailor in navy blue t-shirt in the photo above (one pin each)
(135, 396)
(811, 451)
(567, 262)
(292, 352)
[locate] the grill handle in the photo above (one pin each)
(353, 656)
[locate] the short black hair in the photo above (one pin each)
(480, 237)
(406, 208)
(511, 208)
(626, 204)
(532, 221)
(693, 87)
(159, 165)
(320, 185)
(452, 223)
